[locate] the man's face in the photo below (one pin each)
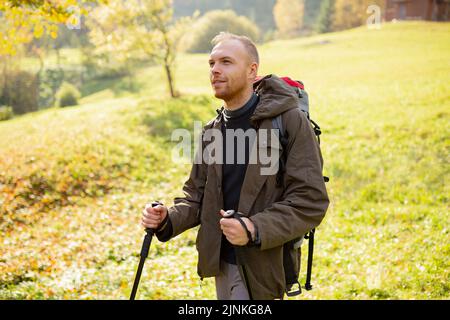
(231, 69)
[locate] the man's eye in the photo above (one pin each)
(227, 62)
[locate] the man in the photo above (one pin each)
(246, 255)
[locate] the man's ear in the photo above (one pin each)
(253, 71)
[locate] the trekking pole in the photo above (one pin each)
(144, 254)
(310, 237)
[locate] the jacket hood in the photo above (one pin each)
(275, 97)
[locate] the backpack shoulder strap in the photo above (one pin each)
(277, 123)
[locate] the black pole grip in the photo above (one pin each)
(147, 242)
(148, 237)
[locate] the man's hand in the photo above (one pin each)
(153, 216)
(234, 232)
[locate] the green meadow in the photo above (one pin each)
(74, 181)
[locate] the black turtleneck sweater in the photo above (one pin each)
(233, 171)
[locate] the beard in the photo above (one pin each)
(227, 91)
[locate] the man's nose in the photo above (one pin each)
(215, 69)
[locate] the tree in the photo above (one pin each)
(288, 16)
(166, 36)
(312, 10)
(255, 10)
(23, 20)
(132, 30)
(353, 13)
(325, 18)
(213, 22)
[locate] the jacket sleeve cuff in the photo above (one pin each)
(163, 223)
(164, 233)
(256, 241)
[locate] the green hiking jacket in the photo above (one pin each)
(280, 214)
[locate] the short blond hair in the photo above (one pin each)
(246, 41)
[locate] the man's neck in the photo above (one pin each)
(238, 102)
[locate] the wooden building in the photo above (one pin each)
(433, 10)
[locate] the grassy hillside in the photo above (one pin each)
(73, 181)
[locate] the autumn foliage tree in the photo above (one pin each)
(23, 20)
(353, 13)
(134, 29)
(289, 17)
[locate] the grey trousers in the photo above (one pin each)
(229, 284)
